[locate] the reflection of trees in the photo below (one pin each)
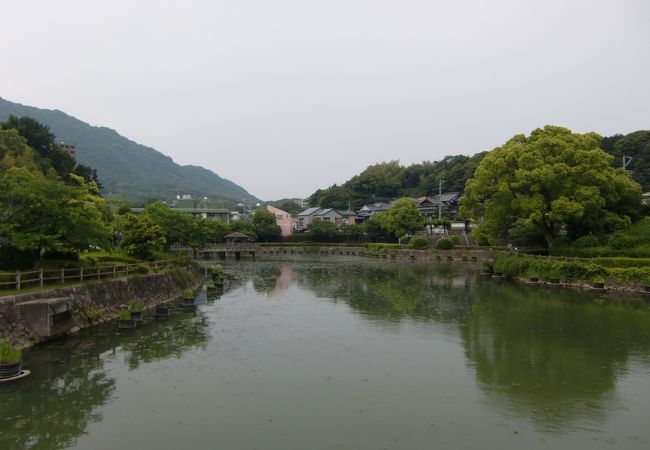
(265, 277)
(53, 406)
(392, 291)
(169, 339)
(555, 356)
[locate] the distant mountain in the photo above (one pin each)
(125, 168)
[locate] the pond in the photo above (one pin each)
(345, 353)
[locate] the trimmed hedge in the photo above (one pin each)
(444, 244)
(419, 243)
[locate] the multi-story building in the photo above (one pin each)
(282, 219)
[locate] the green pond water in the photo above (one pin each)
(348, 354)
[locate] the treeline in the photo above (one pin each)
(390, 180)
(51, 208)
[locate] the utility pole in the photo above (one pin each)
(440, 200)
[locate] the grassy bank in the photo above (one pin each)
(622, 270)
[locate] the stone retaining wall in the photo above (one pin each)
(468, 255)
(90, 303)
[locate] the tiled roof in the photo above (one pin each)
(309, 212)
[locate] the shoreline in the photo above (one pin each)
(30, 318)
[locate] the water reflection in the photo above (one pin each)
(551, 356)
(363, 341)
(71, 379)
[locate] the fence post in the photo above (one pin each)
(99, 274)
(127, 270)
(62, 276)
(81, 275)
(114, 271)
(18, 280)
(40, 277)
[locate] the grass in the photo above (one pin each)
(8, 353)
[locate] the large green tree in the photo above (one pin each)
(551, 182)
(402, 218)
(139, 235)
(41, 214)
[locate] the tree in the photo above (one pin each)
(140, 237)
(636, 145)
(322, 230)
(403, 217)
(552, 182)
(265, 226)
(46, 215)
(174, 224)
(42, 141)
(374, 229)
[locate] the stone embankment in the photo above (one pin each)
(27, 319)
(458, 254)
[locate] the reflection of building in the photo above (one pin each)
(283, 282)
(282, 219)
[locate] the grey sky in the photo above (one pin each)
(284, 97)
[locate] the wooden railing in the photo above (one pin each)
(42, 277)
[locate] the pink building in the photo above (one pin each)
(283, 219)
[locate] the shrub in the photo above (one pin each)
(418, 242)
(404, 240)
(586, 241)
(92, 315)
(142, 268)
(189, 295)
(454, 239)
(620, 241)
(135, 307)
(8, 353)
(444, 244)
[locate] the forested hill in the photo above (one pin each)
(390, 180)
(127, 169)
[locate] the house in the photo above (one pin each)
(446, 204)
(337, 217)
(282, 219)
(367, 211)
(329, 215)
(305, 218)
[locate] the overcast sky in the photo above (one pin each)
(285, 97)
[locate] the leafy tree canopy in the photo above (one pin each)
(402, 218)
(551, 182)
(140, 236)
(265, 226)
(389, 180)
(636, 145)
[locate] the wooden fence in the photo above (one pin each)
(42, 277)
